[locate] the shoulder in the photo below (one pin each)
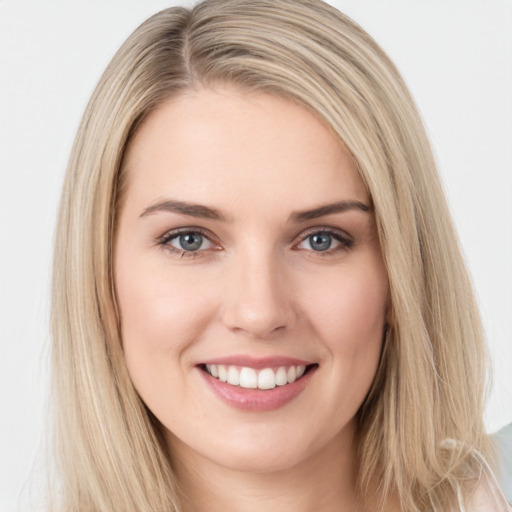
(483, 492)
(503, 441)
(477, 488)
(486, 496)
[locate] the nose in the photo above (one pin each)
(258, 301)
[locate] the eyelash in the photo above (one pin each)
(344, 240)
(165, 240)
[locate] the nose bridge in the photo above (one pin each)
(258, 300)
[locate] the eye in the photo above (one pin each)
(326, 241)
(319, 241)
(187, 242)
(190, 241)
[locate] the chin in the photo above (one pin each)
(262, 447)
(260, 459)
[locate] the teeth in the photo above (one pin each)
(281, 378)
(248, 378)
(267, 378)
(223, 373)
(233, 376)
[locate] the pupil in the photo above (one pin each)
(191, 241)
(321, 242)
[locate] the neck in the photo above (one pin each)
(324, 482)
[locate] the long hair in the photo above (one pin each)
(431, 380)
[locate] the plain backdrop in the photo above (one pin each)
(456, 56)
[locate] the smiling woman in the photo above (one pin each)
(252, 308)
(278, 297)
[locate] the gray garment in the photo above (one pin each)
(503, 440)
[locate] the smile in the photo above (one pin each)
(257, 385)
(251, 378)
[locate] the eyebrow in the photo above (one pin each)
(185, 208)
(328, 209)
(206, 212)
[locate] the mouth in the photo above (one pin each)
(258, 378)
(257, 384)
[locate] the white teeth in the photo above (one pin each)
(248, 378)
(291, 375)
(281, 378)
(266, 379)
(245, 377)
(223, 373)
(233, 376)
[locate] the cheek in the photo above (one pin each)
(348, 316)
(162, 314)
(159, 307)
(350, 320)
(350, 311)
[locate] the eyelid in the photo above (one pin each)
(171, 234)
(345, 239)
(325, 229)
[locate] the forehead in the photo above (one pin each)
(221, 145)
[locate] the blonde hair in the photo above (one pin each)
(431, 380)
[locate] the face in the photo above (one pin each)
(250, 282)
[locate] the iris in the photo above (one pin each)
(320, 241)
(190, 241)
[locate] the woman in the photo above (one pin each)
(258, 297)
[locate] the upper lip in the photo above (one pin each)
(257, 363)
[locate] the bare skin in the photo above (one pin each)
(246, 231)
(304, 487)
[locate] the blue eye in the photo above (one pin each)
(189, 241)
(324, 241)
(320, 241)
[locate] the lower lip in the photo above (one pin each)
(257, 400)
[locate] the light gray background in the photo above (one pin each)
(456, 56)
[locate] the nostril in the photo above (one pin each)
(258, 306)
